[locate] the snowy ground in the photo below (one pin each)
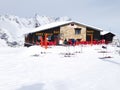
(35, 68)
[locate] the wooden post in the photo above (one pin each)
(41, 41)
(46, 41)
(91, 38)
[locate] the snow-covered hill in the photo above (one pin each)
(12, 27)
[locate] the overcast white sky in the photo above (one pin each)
(104, 14)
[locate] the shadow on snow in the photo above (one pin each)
(114, 62)
(32, 87)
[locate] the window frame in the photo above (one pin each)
(77, 31)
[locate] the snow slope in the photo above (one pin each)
(35, 68)
(13, 27)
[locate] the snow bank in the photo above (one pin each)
(29, 69)
(3, 43)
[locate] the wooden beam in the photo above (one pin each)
(91, 38)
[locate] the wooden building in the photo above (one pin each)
(63, 30)
(107, 36)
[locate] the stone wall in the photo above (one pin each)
(68, 32)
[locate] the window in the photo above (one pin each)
(49, 38)
(39, 37)
(77, 31)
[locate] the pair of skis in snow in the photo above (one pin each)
(104, 56)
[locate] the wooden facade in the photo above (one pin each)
(108, 37)
(66, 31)
(92, 32)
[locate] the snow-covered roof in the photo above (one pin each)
(47, 26)
(105, 32)
(56, 24)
